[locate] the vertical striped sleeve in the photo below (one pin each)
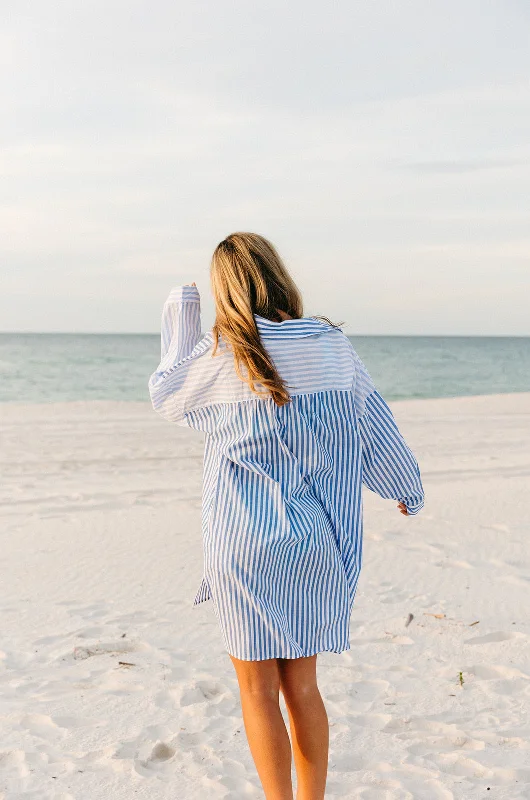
(181, 331)
(390, 468)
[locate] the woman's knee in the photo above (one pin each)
(258, 680)
(298, 682)
(299, 694)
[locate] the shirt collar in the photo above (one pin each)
(290, 328)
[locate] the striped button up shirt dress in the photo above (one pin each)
(282, 506)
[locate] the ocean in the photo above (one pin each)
(42, 368)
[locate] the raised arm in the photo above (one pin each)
(181, 333)
(389, 466)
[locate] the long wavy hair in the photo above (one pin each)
(248, 277)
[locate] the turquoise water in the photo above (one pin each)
(51, 367)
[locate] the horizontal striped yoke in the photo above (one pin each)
(282, 509)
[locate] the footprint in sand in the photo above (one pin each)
(42, 726)
(13, 763)
(203, 691)
(368, 691)
(515, 687)
(157, 760)
(168, 698)
(374, 722)
(94, 611)
(461, 766)
(235, 779)
(491, 672)
(161, 752)
(394, 596)
(444, 744)
(108, 648)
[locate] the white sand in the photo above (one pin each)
(100, 559)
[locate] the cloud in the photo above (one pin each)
(135, 137)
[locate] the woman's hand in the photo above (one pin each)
(403, 509)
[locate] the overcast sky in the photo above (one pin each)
(384, 147)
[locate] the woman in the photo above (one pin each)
(293, 425)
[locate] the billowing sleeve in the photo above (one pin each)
(390, 468)
(181, 334)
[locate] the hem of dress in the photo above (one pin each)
(313, 652)
(199, 602)
(203, 594)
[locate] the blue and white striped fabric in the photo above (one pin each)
(282, 507)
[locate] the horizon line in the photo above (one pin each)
(371, 335)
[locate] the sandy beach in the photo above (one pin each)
(114, 687)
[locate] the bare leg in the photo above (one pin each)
(309, 725)
(259, 685)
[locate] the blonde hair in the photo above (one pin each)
(248, 277)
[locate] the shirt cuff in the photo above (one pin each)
(414, 508)
(184, 294)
